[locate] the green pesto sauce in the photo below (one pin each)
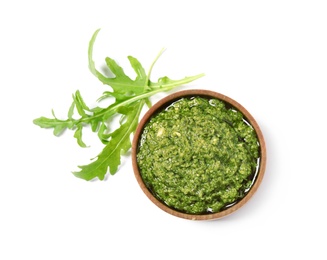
(198, 155)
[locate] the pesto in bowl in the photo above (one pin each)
(198, 155)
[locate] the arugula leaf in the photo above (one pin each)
(130, 97)
(119, 144)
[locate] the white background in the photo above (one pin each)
(270, 56)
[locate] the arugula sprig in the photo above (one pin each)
(130, 97)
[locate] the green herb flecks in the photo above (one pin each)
(129, 95)
(198, 156)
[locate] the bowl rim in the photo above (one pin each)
(204, 93)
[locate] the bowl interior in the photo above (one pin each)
(162, 104)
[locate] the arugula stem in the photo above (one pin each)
(117, 142)
(151, 67)
(142, 96)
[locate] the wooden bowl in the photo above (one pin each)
(209, 94)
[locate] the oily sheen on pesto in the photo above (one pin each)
(198, 155)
